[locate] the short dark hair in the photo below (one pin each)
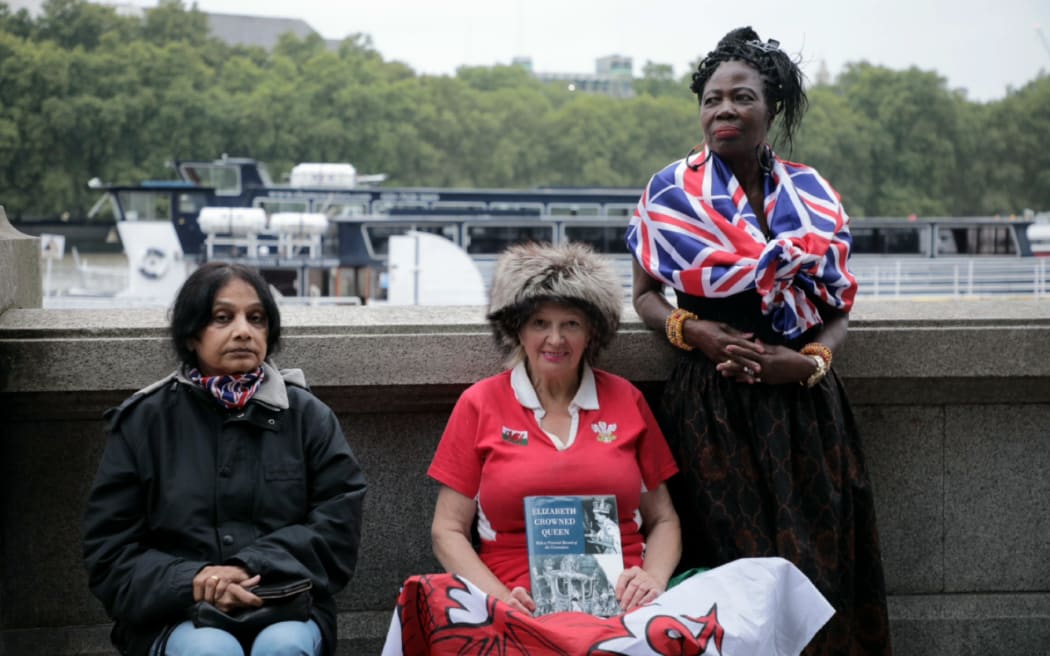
(191, 312)
(782, 78)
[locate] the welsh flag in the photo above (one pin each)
(746, 607)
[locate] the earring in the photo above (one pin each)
(765, 158)
(696, 167)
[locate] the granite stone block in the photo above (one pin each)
(997, 498)
(971, 624)
(904, 446)
(394, 451)
(45, 473)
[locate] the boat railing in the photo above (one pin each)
(883, 277)
(961, 277)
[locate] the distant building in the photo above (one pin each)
(234, 29)
(823, 74)
(613, 76)
(615, 66)
(36, 7)
(260, 31)
(522, 62)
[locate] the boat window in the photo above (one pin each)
(341, 209)
(473, 207)
(604, 239)
(225, 179)
(383, 206)
(509, 207)
(976, 240)
(885, 240)
(104, 210)
(491, 239)
(145, 205)
(274, 205)
(378, 235)
(264, 174)
(192, 203)
(620, 209)
(574, 209)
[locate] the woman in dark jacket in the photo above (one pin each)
(226, 475)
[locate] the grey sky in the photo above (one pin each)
(980, 45)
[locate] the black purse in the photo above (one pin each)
(282, 602)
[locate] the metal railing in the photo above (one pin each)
(901, 277)
(917, 277)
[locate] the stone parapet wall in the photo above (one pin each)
(19, 267)
(952, 396)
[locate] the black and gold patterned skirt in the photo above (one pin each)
(778, 470)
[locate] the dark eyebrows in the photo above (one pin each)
(220, 304)
(736, 89)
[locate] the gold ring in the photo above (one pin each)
(213, 577)
(727, 362)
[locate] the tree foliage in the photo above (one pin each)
(85, 92)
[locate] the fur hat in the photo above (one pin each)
(527, 275)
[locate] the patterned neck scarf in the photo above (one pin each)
(233, 390)
(695, 231)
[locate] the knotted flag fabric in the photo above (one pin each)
(749, 606)
(695, 230)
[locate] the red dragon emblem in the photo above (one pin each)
(443, 614)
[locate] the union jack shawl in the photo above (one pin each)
(695, 231)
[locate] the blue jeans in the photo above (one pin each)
(281, 639)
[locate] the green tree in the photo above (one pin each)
(838, 141)
(658, 80)
(18, 23)
(85, 93)
(171, 21)
(496, 78)
(72, 23)
(1013, 161)
(918, 148)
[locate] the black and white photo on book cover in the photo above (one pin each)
(575, 556)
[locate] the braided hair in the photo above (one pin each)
(781, 77)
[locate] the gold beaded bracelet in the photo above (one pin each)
(818, 375)
(674, 326)
(822, 357)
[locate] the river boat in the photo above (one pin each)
(329, 230)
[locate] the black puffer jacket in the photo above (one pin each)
(184, 483)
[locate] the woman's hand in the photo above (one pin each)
(776, 365)
(636, 587)
(211, 582)
(239, 595)
(519, 599)
(721, 342)
(450, 533)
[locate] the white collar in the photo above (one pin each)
(586, 396)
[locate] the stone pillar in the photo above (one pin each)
(19, 268)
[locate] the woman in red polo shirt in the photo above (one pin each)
(552, 425)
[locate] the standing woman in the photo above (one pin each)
(756, 249)
(225, 475)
